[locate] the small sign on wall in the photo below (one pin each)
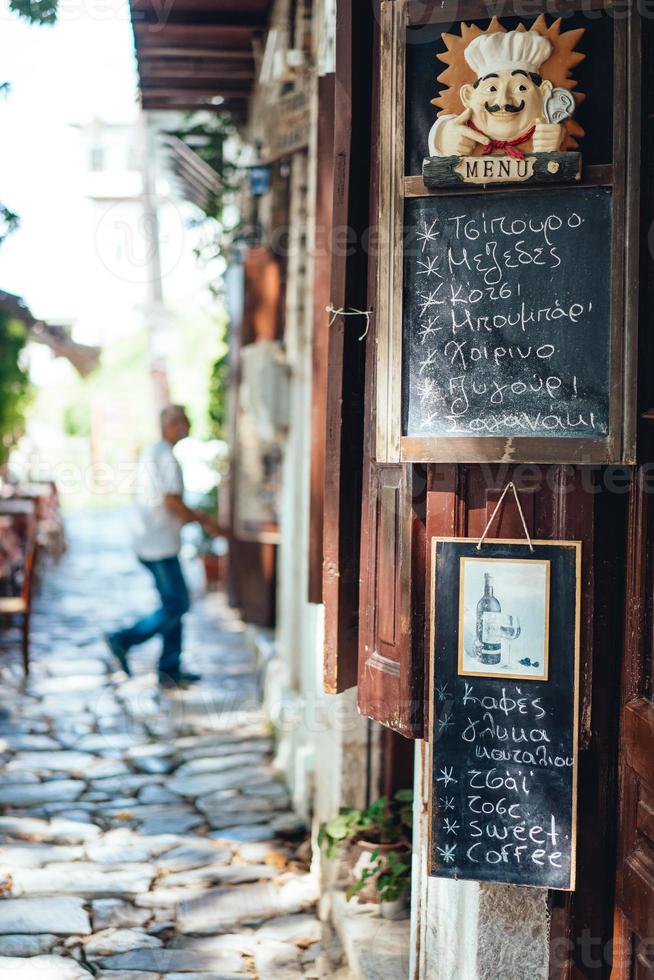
(286, 125)
(504, 711)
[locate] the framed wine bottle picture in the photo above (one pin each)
(504, 709)
(504, 608)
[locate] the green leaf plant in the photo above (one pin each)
(15, 388)
(383, 822)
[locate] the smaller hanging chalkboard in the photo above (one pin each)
(504, 710)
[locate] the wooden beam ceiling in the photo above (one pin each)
(228, 21)
(195, 51)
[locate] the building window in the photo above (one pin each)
(98, 156)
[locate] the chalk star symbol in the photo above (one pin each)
(446, 776)
(429, 299)
(447, 852)
(428, 329)
(428, 234)
(451, 826)
(447, 802)
(426, 390)
(445, 723)
(442, 692)
(429, 268)
(429, 419)
(429, 359)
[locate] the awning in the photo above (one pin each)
(198, 54)
(199, 181)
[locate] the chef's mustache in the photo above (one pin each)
(506, 108)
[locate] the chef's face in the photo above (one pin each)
(505, 104)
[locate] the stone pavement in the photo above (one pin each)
(143, 835)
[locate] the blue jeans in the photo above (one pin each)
(166, 621)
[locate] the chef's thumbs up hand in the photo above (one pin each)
(547, 136)
(457, 138)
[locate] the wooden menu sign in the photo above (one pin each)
(286, 125)
(504, 711)
(506, 310)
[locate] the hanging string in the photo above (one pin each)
(351, 312)
(509, 486)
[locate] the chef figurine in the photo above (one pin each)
(505, 109)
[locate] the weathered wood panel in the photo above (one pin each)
(347, 345)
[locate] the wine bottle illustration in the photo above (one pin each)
(489, 636)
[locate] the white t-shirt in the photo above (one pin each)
(157, 532)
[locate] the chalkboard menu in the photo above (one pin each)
(507, 314)
(504, 711)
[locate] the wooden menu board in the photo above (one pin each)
(542, 369)
(504, 711)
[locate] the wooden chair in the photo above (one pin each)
(21, 605)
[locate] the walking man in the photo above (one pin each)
(161, 514)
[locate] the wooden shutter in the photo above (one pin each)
(345, 348)
(322, 288)
(391, 656)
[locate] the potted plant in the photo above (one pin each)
(390, 873)
(381, 830)
(209, 550)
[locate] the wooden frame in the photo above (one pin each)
(396, 187)
(577, 546)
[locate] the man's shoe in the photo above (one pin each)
(182, 679)
(188, 677)
(118, 652)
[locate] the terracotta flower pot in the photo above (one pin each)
(213, 569)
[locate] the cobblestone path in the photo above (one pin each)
(143, 835)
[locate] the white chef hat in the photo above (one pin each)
(515, 50)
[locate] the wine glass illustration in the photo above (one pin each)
(510, 630)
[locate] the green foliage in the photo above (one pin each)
(339, 830)
(217, 408)
(76, 419)
(392, 877)
(9, 222)
(15, 389)
(383, 822)
(35, 11)
(366, 874)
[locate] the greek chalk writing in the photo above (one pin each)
(507, 310)
(499, 817)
